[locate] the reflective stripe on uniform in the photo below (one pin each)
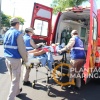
(78, 48)
(10, 47)
(29, 48)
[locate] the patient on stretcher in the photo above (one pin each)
(44, 55)
(52, 48)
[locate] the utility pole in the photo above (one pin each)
(14, 9)
(0, 17)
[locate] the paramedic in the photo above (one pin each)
(77, 56)
(14, 50)
(30, 45)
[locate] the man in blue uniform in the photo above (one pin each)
(77, 56)
(14, 51)
(30, 45)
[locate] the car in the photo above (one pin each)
(1, 39)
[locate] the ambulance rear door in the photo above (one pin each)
(41, 21)
(98, 27)
(91, 49)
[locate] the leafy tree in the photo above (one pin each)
(60, 5)
(21, 20)
(5, 20)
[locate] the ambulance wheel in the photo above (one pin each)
(33, 84)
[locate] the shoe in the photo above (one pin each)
(71, 87)
(26, 83)
(77, 88)
(19, 94)
(63, 87)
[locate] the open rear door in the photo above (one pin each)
(98, 27)
(90, 58)
(41, 21)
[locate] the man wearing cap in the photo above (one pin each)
(14, 50)
(30, 45)
(77, 56)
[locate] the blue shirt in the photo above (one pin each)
(78, 51)
(10, 43)
(27, 38)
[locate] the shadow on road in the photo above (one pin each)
(23, 97)
(90, 91)
(3, 67)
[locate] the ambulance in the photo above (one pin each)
(85, 20)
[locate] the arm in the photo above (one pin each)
(35, 45)
(21, 47)
(40, 44)
(69, 45)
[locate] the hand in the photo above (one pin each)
(42, 44)
(24, 60)
(59, 51)
(57, 43)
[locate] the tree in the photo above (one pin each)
(5, 20)
(60, 5)
(21, 20)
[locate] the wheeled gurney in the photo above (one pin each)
(60, 64)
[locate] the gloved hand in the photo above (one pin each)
(59, 51)
(27, 64)
(39, 45)
(42, 44)
(57, 43)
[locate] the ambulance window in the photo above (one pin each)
(83, 32)
(94, 29)
(41, 27)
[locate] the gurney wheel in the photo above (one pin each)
(48, 91)
(33, 84)
(48, 79)
(62, 78)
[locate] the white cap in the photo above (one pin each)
(73, 32)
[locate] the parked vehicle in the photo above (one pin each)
(1, 39)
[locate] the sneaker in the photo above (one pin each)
(78, 88)
(63, 87)
(71, 87)
(19, 94)
(26, 83)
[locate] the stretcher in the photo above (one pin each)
(61, 64)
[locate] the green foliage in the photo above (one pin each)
(5, 20)
(21, 20)
(60, 5)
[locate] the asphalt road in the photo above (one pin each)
(90, 91)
